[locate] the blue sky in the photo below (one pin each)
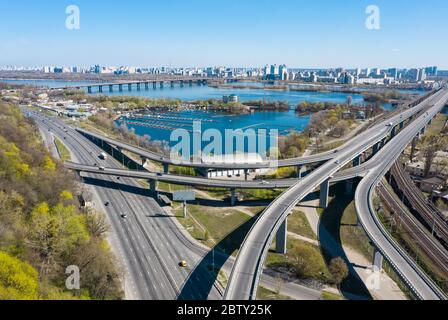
(299, 33)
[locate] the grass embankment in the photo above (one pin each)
(266, 294)
(282, 173)
(298, 224)
(331, 296)
(338, 231)
(438, 125)
(63, 152)
(329, 146)
(222, 228)
(303, 258)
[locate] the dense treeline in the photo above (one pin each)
(221, 106)
(42, 229)
(383, 97)
(264, 105)
(124, 103)
(106, 122)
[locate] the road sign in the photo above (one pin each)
(184, 195)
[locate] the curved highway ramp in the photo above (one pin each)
(245, 276)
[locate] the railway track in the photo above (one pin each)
(433, 249)
(426, 211)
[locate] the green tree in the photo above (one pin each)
(49, 165)
(18, 280)
(307, 261)
(430, 145)
(338, 270)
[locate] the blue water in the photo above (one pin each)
(205, 92)
(47, 83)
(202, 92)
(283, 121)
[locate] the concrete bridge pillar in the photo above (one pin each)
(120, 87)
(130, 87)
(190, 82)
(172, 84)
(282, 238)
(161, 84)
(348, 187)
(100, 88)
(401, 125)
(153, 186)
(376, 148)
(357, 161)
(181, 83)
(423, 131)
(78, 176)
(138, 86)
(203, 172)
(111, 88)
(324, 191)
(154, 85)
(89, 89)
(120, 150)
(232, 197)
(143, 161)
(146, 86)
(246, 174)
(377, 260)
(166, 168)
(301, 171)
(394, 132)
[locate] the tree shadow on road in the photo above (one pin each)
(352, 287)
(215, 258)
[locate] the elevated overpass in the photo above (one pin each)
(245, 276)
(167, 161)
(298, 162)
(139, 84)
(351, 173)
(412, 275)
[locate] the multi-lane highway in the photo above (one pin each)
(138, 235)
(150, 244)
(420, 284)
(244, 279)
(151, 230)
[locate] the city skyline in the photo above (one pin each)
(186, 151)
(234, 34)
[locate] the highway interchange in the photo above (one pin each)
(321, 157)
(244, 279)
(156, 275)
(149, 243)
(421, 285)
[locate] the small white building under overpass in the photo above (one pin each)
(234, 159)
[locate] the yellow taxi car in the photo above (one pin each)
(183, 264)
